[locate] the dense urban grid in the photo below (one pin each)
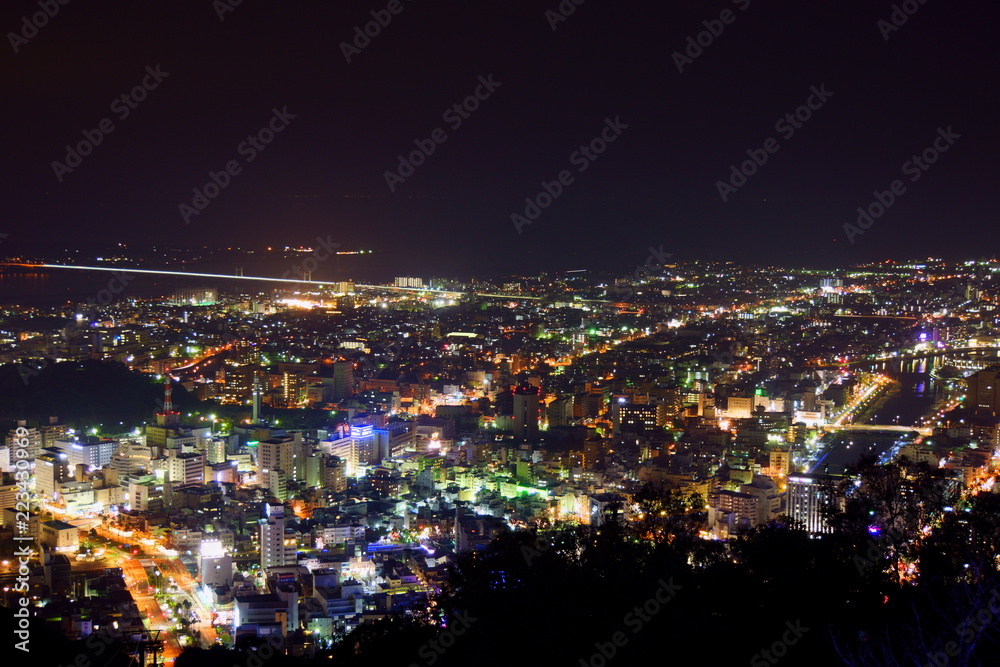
(363, 472)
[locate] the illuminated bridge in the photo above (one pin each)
(390, 288)
(875, 427)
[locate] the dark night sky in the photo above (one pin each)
(656, 185)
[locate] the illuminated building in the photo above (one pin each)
(365, 449)
(275, 547)
(216, 451)
(808, 496)
(186, 468)
(239, 383)
(215, 566)
(738, 511)
(408, 282)
(334, 474)
(33, 437)
(51, 470)
(294, 389)
(194, 296)
(779, 462)
(634, 418)
(384, 482)
(90, 451)
(59, 535)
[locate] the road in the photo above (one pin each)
(174, 567)
(138, 582)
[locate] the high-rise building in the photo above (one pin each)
(32, 435)
(983, 393)
(239, 384)
(334, 474)
(51, 432)
(808, 496)
(394, 439)
(51, 470)
(90, 451)
(294, 389)
(343, 380)
(275, 465)
(216, 451)
(275, 547)
(185, 469)
(525, 422)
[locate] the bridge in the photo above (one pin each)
(876, 427)
(296, 281)
(909, 357)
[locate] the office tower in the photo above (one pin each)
(51, 470)
(525, 422)
(275, 465)
(983, 393)
(90, 451)
(334, 474)
(185, 469)
(343, 380)
(275, 548)
(32, 435)
(294, 389)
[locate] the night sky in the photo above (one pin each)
(656, 184)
